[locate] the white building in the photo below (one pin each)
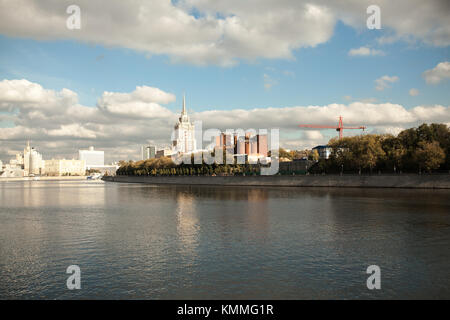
(30, 161)
(10, 171)
(63, 167)
(184, 135)
(92, 158)
(166, 152)
(148, 152)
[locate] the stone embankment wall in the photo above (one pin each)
(351, 181)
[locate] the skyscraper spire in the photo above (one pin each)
(184, 139)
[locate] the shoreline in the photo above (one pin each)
(404, 181)
(50, 178)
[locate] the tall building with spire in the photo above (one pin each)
(184, 138)
(31, 160)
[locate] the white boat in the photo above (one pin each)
(94, 176)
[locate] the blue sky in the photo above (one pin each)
(315, 76)
(242, 64)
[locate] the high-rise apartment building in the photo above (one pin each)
(251, 145)
(184, 138)
(31, 160)
(148, 152)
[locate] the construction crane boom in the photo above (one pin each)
(340, 127)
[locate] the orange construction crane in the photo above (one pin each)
(339, 128)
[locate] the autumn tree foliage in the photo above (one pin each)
(425, 148)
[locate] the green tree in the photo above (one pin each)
(429, 155)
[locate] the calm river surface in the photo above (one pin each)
(137, 241)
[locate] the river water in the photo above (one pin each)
(135, 241)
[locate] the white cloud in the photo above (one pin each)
(413, 92)
(142, 93)
(365, 51)
(384, 82)
(143, 102)
(435, 113)
(409, 20)
(31, 96)
(438, 73)
(116, 126)
(313, 135)
(74, 130)
(221, 32)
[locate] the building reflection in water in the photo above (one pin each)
(233, 212)
(241, 213)
(54, 193)
(257, 210)
(187, 224)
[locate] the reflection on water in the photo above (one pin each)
(188, 226)
(140, 241)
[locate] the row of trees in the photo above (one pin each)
(425, 148)
(166, 167)
(298, 154)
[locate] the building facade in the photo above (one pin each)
(323, 151)
(148, 152)
(163, 153)
(250, 145)
(91, 157)
(151, 152)
(63, 167)
(30, 161)
(184, 134)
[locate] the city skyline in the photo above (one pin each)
(31, 162)
(224, 159)
(69, 89)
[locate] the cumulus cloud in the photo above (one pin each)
(413, 92)
(365, 51)
(438, 73)
(114, 124)
(28, 95)
(314, 135)
(74, 130)
(143, 102)
(220, 32)
(384, 82)
(48, 117)
(408, 20)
